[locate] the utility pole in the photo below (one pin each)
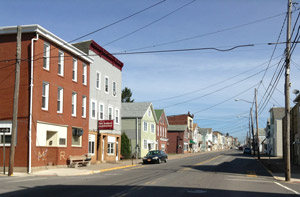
(16, 102)
(252, 129)
(256, 114)
(287, 95)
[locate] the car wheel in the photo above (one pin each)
(166, 160)
(158, 161)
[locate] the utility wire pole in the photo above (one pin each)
(256, 115)
(252, 129)
(287, 96)
(16, 102)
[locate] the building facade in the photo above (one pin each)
(105, 103)
(162, 130)
(53, 109)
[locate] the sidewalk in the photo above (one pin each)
(96, 168)
(276, 167)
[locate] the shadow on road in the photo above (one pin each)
(86, 190)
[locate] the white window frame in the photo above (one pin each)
(145, 124)
(152, 129)
(149, 113)
(83, 107)
(46, 95)
(114, 88)
(112, 113)
(98, 81)
(92, 139)
(46, 56)
(84, 74)
(106, 85)
(74, 70)
(117, 116)
(60, 99)
(145, 144)
(80, 140)
(61, 57)
(110, 148)
(103, 111)
(74, 104)
(93, 117)
(5, 124)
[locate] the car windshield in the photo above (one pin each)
(155, 152)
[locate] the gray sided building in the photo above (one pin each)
(105, 102)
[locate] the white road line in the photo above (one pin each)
(287, 188)
(248, 180)
(25, 180)
(243, 176)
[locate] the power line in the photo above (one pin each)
(149, 24)
(206, 34)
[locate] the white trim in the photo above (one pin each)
(112, 112)
(114, 92)
(75, 70)
(106, 77)
(102, 111)
(93, 101)
(48, 35)
(117, 114)
(61, 99)
(99, 82)
(83, 106)
(47, 55)
(144, 126)
(62, 63)
(145, 144)
(84, 73)
(152, 125)
(46, 95)
(74, 102)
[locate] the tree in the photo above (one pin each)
(126, 95)
(125, 146)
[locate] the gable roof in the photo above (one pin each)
(136, 110)
(158, 113)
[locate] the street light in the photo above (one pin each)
(243, 100)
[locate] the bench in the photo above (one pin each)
(81, 160)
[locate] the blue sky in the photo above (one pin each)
(157, 76)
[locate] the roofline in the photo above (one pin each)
(106, 55)
(47, 34)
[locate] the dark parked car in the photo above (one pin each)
(155, 156)
(247, 150)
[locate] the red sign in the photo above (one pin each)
(105, 125)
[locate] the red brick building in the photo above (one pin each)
(162, 130)
(179, 132)
(53, 109)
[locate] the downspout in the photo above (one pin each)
(137, 138)
(30, 105)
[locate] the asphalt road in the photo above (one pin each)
(226, 173)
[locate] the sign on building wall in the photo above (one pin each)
(105, 125)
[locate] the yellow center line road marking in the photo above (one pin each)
(116, 168)
(206, 161)
(251, 174)
(133, 168)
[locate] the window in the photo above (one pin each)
(110, 113)
(145, 126)
(98, 80)
(74, 102)
(93, 109)
(117, 116)
(106, 85)
(51, 138)
(157, 130)
(74, 71)
(101, 111)
(152, 128)
(92, 144)
(149, 112)
(60, 93)
(84, 74)
(5, 127)
(46, 56)
(114, 88)
(163, 147)
(76, 136)
(60, 63)
(145, 144)
(83, 107)
(110, 148)
(45, 96)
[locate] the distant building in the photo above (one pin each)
(162, 130)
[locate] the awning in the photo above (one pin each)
(192, 142)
